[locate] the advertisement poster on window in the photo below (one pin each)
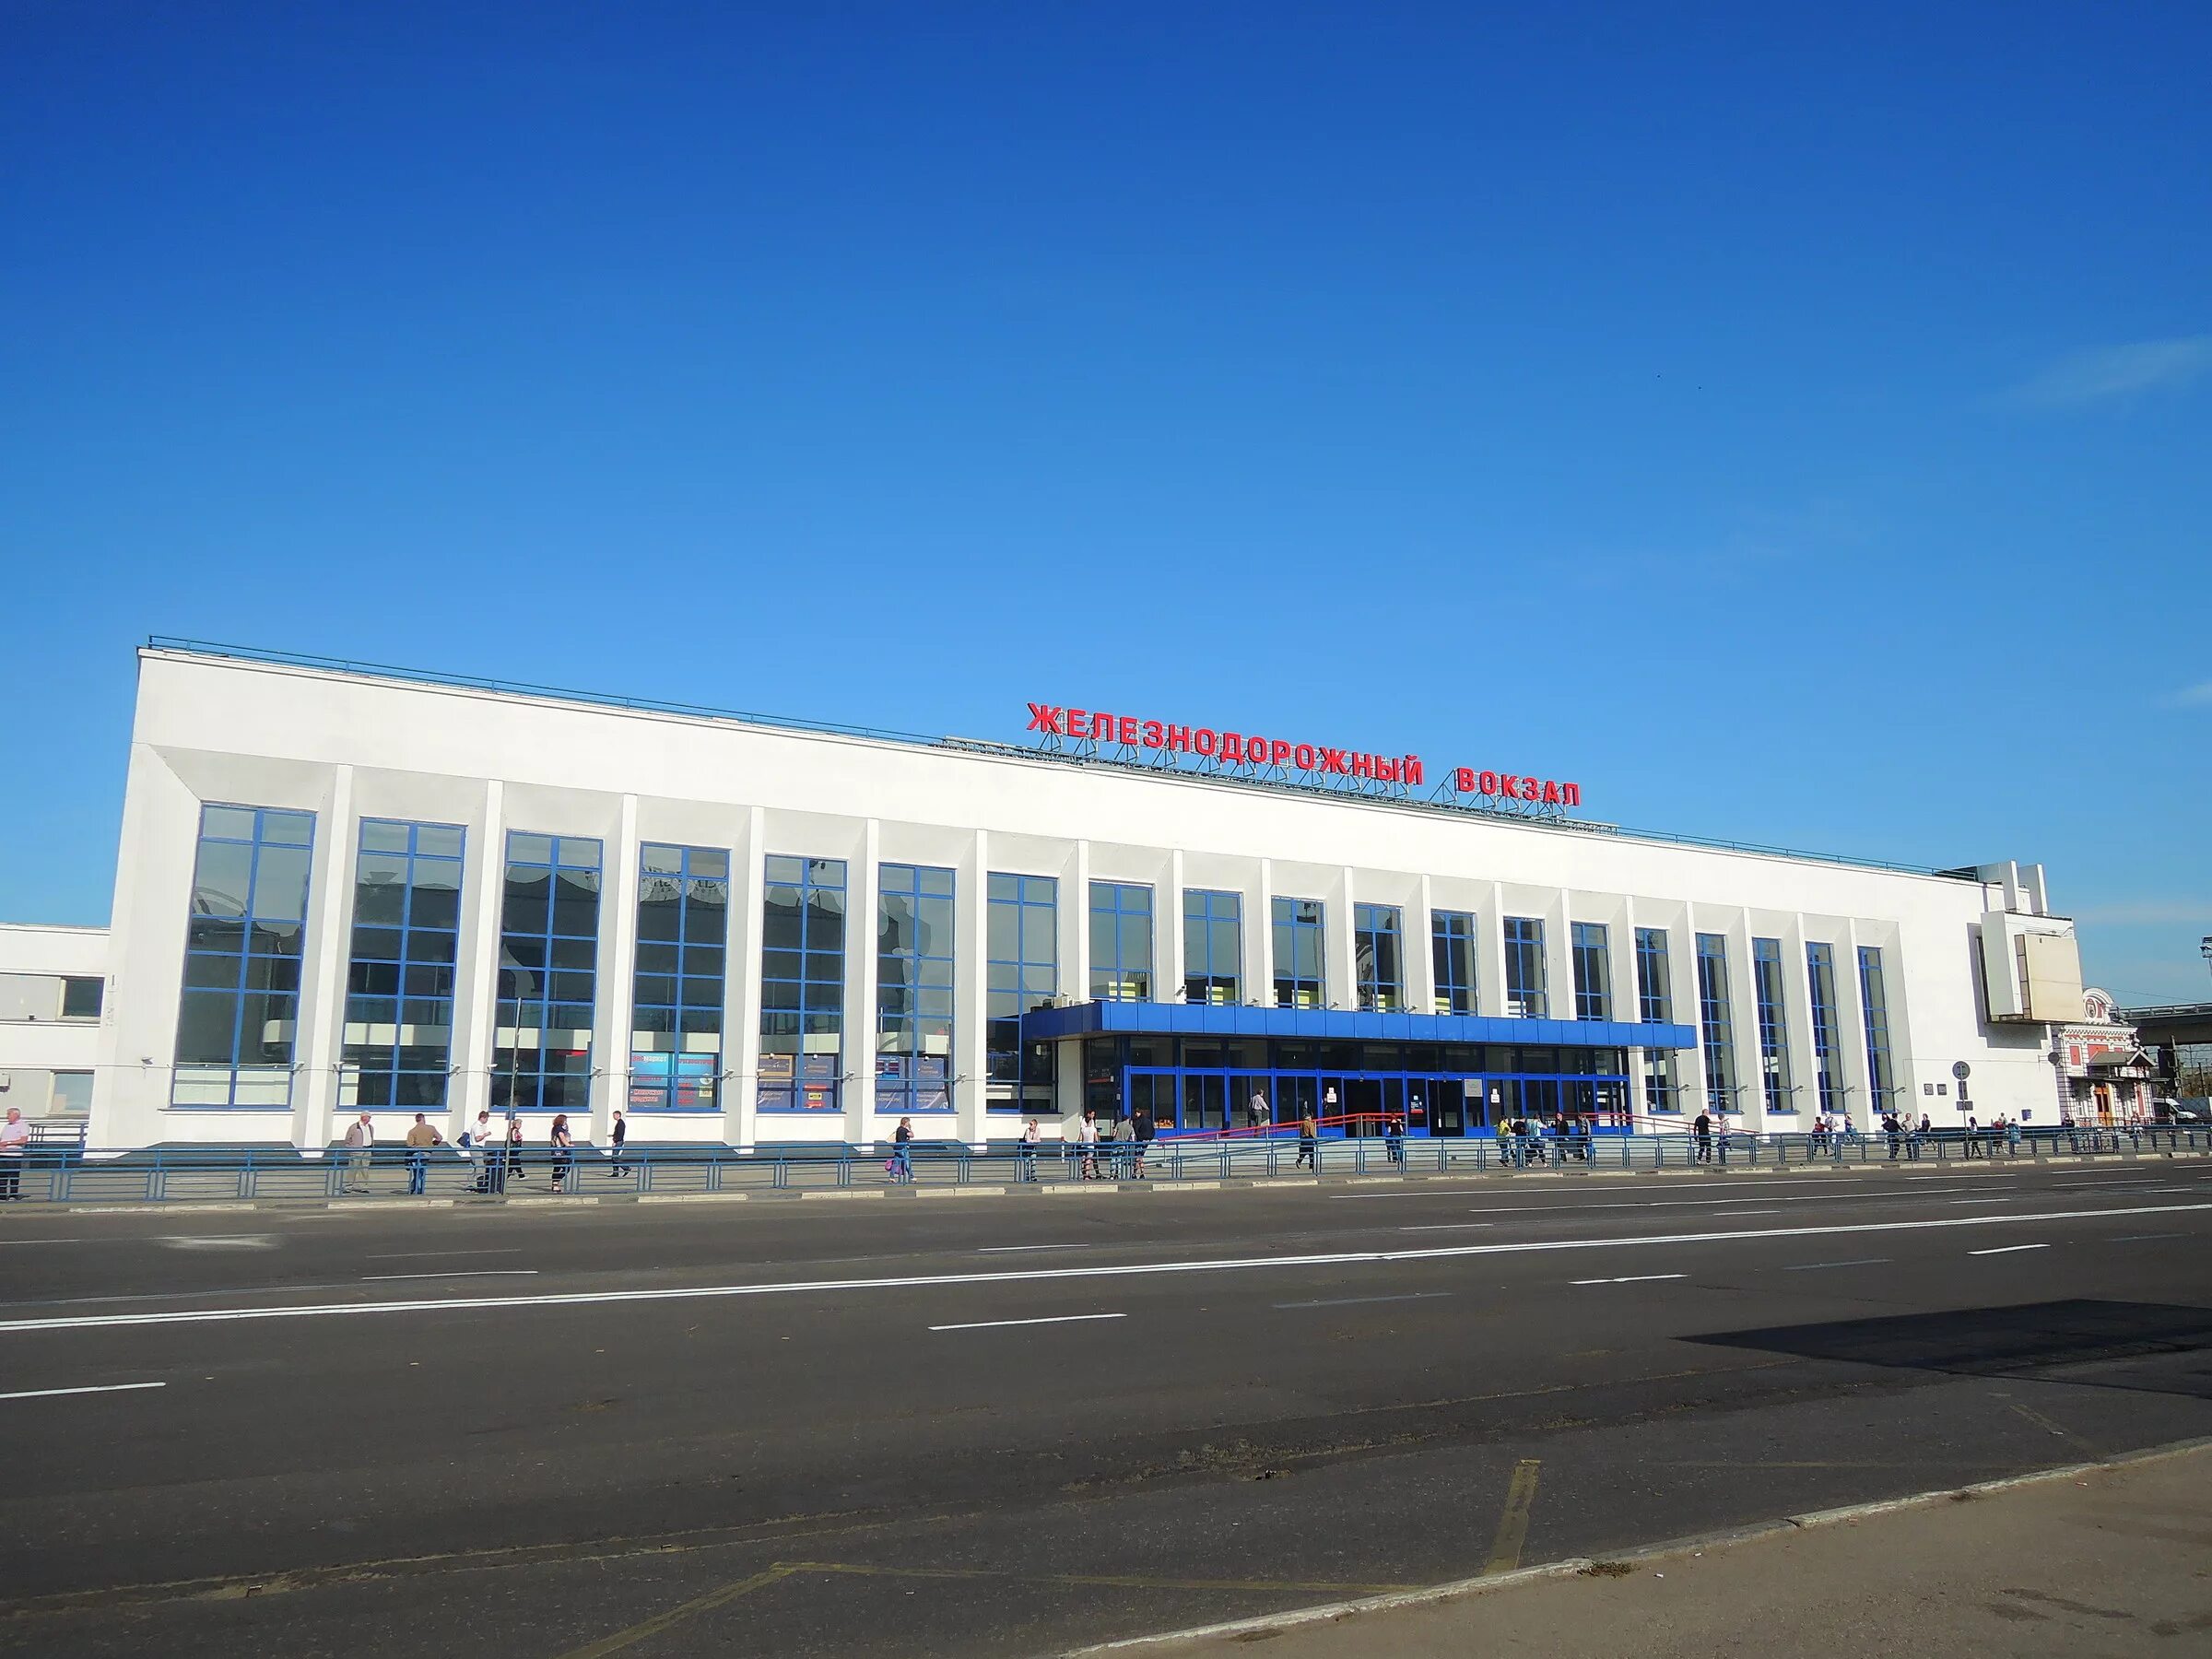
(819, 1076)
(773, 1093)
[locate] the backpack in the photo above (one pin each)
(464, 1140)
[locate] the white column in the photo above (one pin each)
(1075, 977)
(1258, 952)
(1558, 958)
(1798, 1008)
(741, 1011)
(319, 1041)
(970, 983)
(617, 982)
(1340, 986)
(1490, 952)
(1682, 968)
(476, 992)
(861, 891)
(1167, 934)
(1418, 966)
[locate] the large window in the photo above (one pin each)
(1452, 942)
(1524, 998)
(1715, 1027)
(1780, 1087)
(1827, 1041)
(239, 1018)
(548, 955)
(1300, 979)
(1655, 1005)
(399, 985)
(1121, 941)
(1213, 946)
(1593, 972)
(1874, 998)
(1377, 952)
(1023, 964)
(677, 995)
(914, 989)
(802, 985)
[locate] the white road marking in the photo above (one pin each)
(48, 1394)
(404, 1255)
(18, 1242)
(2144, 1237)
(381, 1279)
(1634, 1278)
(1009, 1249)
(1771, 1212)
(1349, 1302)
(579, 1299)
(2007, 1249)
(998, 1324)
(1817, 1266)
(216, 1241)
(1449, 1227)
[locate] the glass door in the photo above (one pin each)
(1204, 1101)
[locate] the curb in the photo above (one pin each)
(1268, 1624)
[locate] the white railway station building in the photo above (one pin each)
(344, 890)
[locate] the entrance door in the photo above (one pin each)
(1362, 1105)
(1444, 1106)
(1241, 1087)
(1296, 1093)
(1204, 1101)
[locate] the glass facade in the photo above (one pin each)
(1022, 961)
(1213, 947)
(399, 984)
(1524, 976)
(680, 980)
(1377, 941)
(1873, 997)
(1593, 972)
(1301, 971)
(1121, 941)
(914, 989)
(1656, 1005)
(1827, 1041)
(238, 1015)
(549, 978)
(802, 985)
(1775, 1077)
(1715, 1029)
(1451, 941)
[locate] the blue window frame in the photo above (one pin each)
(1715, 1028)
(1593, 971)
(1121, 941)
(1827, 1039)
(1022, 963)
(1775, 1077)
(802, 985)
(1301, 976)
(1874, 998)
(238, 1018)
(548, 973)
(1452, 942)
(1525, 974)
(679, 982)
(913, 988)
(1378, 954)
(1656, 1005)
(1213, 947)
(399, 984)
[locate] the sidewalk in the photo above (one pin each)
(2104, 1560)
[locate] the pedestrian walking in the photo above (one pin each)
(617, 1133)
(475, 1145)
(1258, 1114)
(1504, 1136)
(1973, 1136)
(361, 1142)
(901, 1166)
(1309, 1143)
(1893, 1132)
(1393, 1137)
(1143, 1129)
(1027, 1148)
(563, 1159)
(14, 1140)
(514, 1151)
(421, 1137)
(2012, 1138)
(1702, 1131)
(1125, 1147)
(1086, 1145)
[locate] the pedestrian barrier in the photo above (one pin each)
(169, 1175)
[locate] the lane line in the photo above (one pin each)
(2007, 1249)
(17, 1243)
(1450, 1226)
(1512, 1525)
(1440, 1253)
(1350, 1301)
(999, 1324)
(2144, 1237)
(1819, 1266)
(1772, 1212)
(404, 1255)
(382, 1278)
(1009, 1249)
(48, 1394)
(1635, 1278)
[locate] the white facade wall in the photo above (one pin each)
(48, 1059)
(344, 748)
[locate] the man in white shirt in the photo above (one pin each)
(360, 1138)
(14, 1137)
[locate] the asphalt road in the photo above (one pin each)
(1015, 1426)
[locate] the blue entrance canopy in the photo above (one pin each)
(1115, 1018)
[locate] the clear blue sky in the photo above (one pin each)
(1793, 430)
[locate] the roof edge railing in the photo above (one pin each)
(649, 705)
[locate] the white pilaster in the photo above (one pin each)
(618, 984)
(741, 1013)
(1418, 964)
(1167, 934)
(477, 992)
(861, 891)
(971, 1063)
(329, 953)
